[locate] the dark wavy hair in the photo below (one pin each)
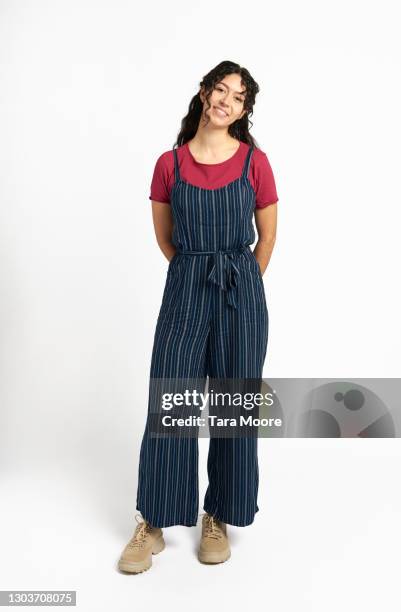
(240, 128)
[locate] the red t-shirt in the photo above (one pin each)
(214, 176)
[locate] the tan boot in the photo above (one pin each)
(214, 545)
(137, 555)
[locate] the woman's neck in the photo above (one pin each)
(212, 149)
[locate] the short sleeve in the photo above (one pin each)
(159, 189)
(265, 184)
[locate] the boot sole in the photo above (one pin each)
(214, 557)
(136, 567)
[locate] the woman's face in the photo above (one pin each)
(226, 101)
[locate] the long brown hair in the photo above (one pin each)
(240, 128)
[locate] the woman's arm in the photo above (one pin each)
(266, 224)
(163, 224)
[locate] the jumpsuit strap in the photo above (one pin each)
(176, 168)
(247, 163)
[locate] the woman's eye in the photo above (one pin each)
(221, 89)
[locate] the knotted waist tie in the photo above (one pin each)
(224, 272)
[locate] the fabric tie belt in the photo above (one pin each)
(224, 272)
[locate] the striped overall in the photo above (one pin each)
(213, 321)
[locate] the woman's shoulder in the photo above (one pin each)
(165, 157)
(165, 160)
(261, 161)
(164, 165)
(258, 153)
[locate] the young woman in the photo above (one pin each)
(213, 319)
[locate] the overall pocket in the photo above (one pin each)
(173, 287)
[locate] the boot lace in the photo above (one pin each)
(141, 532)
(211, 526)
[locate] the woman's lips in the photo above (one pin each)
(220, 111)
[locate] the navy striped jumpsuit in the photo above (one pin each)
(213, 321)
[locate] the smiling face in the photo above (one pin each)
(226, 101)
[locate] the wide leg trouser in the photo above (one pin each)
(198, 334)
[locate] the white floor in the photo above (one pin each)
(326, 538)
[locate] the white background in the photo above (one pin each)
(91, 94)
